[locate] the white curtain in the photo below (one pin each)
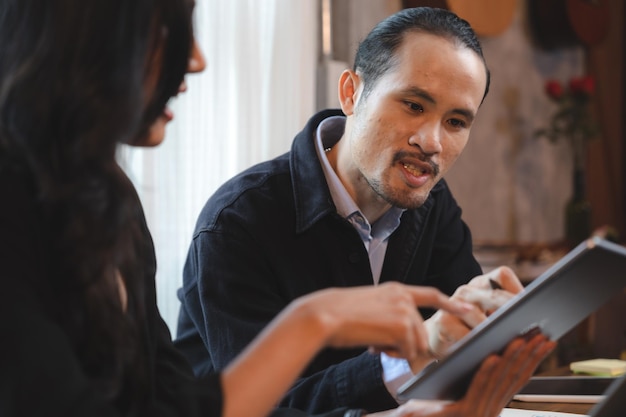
(256, 93)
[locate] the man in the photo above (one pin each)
(358, 200)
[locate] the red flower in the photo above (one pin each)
(588, 85)
(585, 85)
(575, 85)
(554, 89)
(572, 119)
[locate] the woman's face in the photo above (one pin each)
(156, 133)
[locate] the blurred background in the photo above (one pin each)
(272, 63)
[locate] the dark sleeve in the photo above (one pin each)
(177, 391)
(230, 293)
(226, 300)
(356, 382)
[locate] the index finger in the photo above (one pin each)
(432, 297)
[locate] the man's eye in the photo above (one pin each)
(458, 123)
(415, 107)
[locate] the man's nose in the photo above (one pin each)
(427, 137)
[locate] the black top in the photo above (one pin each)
(40, 374)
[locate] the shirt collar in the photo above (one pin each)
(328, 134)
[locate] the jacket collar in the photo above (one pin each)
(310, 192)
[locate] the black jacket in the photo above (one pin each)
(272, 234)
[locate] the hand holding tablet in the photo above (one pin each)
(565, 294)
(487, 293)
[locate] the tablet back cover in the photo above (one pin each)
(556, 301)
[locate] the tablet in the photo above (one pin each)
(565, 389)
(615, 402)
(556, 301)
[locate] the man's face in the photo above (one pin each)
(412, 126)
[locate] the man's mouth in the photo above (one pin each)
(416, 164)
(421, 167)
(415, 170)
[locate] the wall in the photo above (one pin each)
(513, 186)
(607, 156)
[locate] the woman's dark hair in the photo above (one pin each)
(376, 53)
(72, 87)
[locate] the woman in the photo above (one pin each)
(81, 331)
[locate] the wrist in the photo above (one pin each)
(315, 318)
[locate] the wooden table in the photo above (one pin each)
(576, 408)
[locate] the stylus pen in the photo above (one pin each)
(433, 355)
(494, 284)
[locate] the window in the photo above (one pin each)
(257, 92)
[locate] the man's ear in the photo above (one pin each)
(349, 89)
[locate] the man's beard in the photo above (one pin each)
(397, 198)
